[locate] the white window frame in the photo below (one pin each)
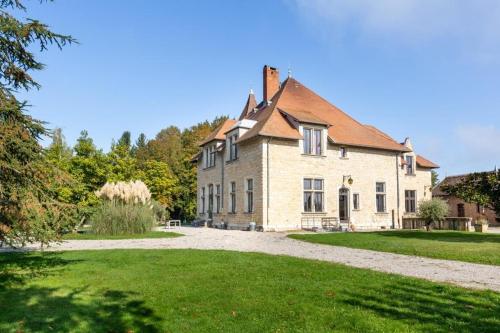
(354, 206)
(210, 198)
(311, 142)
(202, 199)
(384, 196)
(232, 147)
(217, 198)
(313, 191)
(410, 167)
(249, 196)
(408, 200)
(232, 197)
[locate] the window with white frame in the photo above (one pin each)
(410, 201)
(409, 165)
(217, 198)
(355, 201)
(313, 141)
(213, 152)
(206, 154)
(232, 197)
(202, 199)
(210, 153)
(210, 198)
(343, 152)
(313, 195)
(249, 193)
(380, 197)
(233, 147)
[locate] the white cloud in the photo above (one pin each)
(472, 27)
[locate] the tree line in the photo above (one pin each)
(44, 192)
(162, 163)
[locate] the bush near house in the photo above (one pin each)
(432, 211)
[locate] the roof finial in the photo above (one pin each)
(289, 72)
(251, 91)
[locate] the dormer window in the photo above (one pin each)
(409, 165)
(210, 153)
(233, 147)
(313, 141)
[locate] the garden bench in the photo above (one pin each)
(172, 224)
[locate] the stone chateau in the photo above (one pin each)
(294, 161)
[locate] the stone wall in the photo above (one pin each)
(471, 210)
(450, 223)
(248, 165)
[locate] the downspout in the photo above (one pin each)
(222, 181)
(267, 183)
(397, 188)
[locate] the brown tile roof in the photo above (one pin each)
(295, 97)
(196, 157)
(218, 133)
(450, 180)
(304, 117)
(250, 105)
(425, 163)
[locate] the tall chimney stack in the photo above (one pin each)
(271, 78)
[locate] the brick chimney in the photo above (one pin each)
(271, 78)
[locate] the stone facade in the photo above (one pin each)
(278, 168)
(470, 210)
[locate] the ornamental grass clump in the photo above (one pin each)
(126, 209)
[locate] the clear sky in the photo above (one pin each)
(429, 70)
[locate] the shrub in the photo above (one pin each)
(125, 192)
(117, 218)
(433, 210)
(160, 211)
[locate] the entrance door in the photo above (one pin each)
(344, 205)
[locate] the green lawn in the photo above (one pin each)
(91, 236)
(219, 291)
(454, 245)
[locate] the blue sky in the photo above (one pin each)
(429, 70)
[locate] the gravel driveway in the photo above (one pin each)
(460, 273)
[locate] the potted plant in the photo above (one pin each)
(481, 225)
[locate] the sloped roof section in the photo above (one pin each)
(218, 133)
(450, 180)
(294, 97)
(304, 117)
(425, 163)
(249, 107)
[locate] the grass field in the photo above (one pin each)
(91, 236)
(218, 291)
(464, 246)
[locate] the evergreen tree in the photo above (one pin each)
(125, 140)
(29, 209)
(140, 144)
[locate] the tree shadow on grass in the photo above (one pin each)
(437, 308)
(33, 308)
(443, 236)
